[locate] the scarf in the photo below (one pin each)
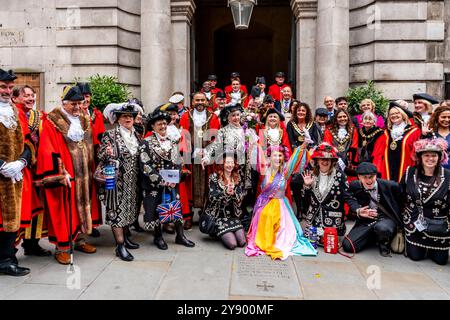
(76, 132)
(130, 140)
(7, 116)
(199, 118)
(397, 131)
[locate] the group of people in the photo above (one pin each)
(271, 175)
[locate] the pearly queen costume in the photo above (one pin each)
(326, 197)
(156, 153)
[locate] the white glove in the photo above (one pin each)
(11, 169)
(18, 177)
(341, 164)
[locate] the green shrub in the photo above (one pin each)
(357, 94)
(106, 90)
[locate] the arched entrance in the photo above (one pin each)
(266, 47)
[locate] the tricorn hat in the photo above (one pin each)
(72, 93)
(272, 111)
(7, 75)
(395, 104)
(85, 87)
(158, 115)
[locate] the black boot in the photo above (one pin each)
(123, 253)
(159, 240)
(95, 233)
(137, 227)
(385, 249)
(8, 267)
(181, 238)
(32, 248)
(130, 244)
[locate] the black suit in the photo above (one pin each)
(381, 229)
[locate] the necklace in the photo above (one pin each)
(301, 137)
(273, 142)
(341, 142)
(369, 136)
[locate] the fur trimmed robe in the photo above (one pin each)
(58, 156)
(15, 198)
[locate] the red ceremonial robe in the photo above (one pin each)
(393, 162)
(98, 129)
(21, 217)
(275, 91)
(210, 129)
(57, 155)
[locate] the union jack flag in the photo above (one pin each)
(169, 212)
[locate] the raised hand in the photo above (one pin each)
(308, 178)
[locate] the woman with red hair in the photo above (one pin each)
(274, 229)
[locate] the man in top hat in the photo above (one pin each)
(275, 89)
(177, 98)
(199, 127)
(220, 102)
(212, 78)
(375, 202)
(235, 76)
(24, 98)
(65, 166)
(261, 83)
(321, 118)
(423, 108)
(16, 153)
(98, 129)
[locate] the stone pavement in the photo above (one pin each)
(209, 271)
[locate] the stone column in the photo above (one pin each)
(305, 13)
(182, 13)
(156, 77)
(332, 51)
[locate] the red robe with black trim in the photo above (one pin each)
(23, 216)
(54, 161)
(275, 91)
(383, 152)
(186, 147)
(98, 129)
(37, 229)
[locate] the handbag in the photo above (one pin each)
(398, 242)
(170, 208)
(437, 227)
(207, 224)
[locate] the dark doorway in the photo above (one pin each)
(250, 53)
(261, 50)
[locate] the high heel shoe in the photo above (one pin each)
(123, 253)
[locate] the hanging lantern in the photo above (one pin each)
(242, 12)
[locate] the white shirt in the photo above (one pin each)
(130, 139)
(323, 182)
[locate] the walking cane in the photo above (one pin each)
(71, 268)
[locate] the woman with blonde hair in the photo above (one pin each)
(369, 105)
(393, 154)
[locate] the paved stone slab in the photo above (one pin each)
(263, 277)
(137, 280)
(402, 285)
(198, 276)
(331, 280)
(43, 292)
(440, 274)
(90, 266)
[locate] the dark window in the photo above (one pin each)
(447, 86)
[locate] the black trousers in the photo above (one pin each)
(362, 235)
(7, 240)
(418, 253)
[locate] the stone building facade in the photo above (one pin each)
(161, 46)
